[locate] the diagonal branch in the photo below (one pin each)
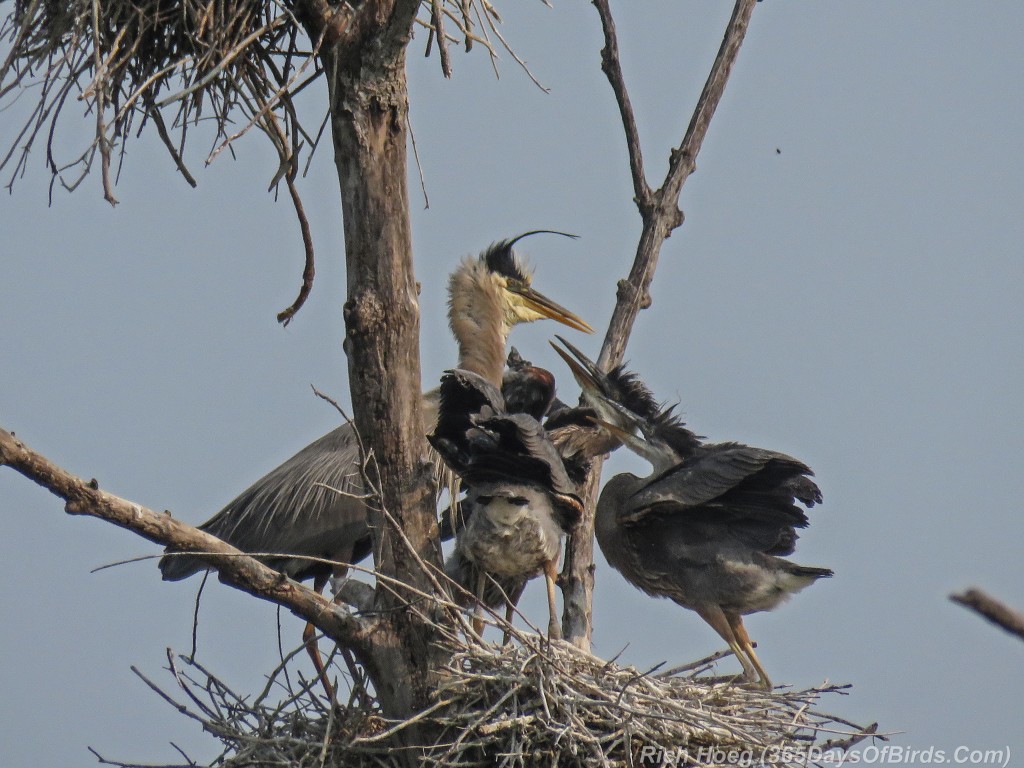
(660, 213)
(994, 610)
(663, 215)
(84, 497)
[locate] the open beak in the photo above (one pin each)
(588, 376)
(538, 302)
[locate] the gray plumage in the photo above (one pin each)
(287, 515)
(289, 511)
(710, 527)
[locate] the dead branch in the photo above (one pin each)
(660, 214)
(239, 570)
(996, 611)
(222, 63)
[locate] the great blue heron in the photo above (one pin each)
(525, 388)
(308, 510)
(708, 528)
(519, 500)
(574, 431)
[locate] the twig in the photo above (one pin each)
(419, 165)
(309, 269)
(195, 614)
(612, 68)
(992, 609)
(437, 24)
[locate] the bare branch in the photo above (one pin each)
(234, 567)
(992, 609)
(612, 68)
(437, 30)
(664, 215)
(660, 213)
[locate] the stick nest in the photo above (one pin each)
(235, 64)
(529, 703)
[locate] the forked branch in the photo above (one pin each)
(660, 213)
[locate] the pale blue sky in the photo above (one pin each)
(855, 300)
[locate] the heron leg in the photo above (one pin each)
(510, 607)
(478, 612)
(505, 635)
(718, 621)
(550, 577)
(309, 639)
(736, 623)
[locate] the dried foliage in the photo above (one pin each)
(523, 704)
(237, 64)
(226, 65)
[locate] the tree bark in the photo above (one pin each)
(85, 497)
(369, 108)
(660, 213)
(995, 611)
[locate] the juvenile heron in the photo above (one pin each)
(574, 434)
(709, 527)
(309, 510)
(527, 388)
(519, 500)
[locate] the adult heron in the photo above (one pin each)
(710, 527)
(306, 518)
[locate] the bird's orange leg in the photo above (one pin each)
(550, 577)
(309, 639)
(718, 621)
(736, 623)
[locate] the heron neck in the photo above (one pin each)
(477, 321)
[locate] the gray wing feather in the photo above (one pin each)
(706, 477)
(288, 510)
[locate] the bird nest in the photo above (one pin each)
(230, 64)
(527, 703)
(216, 67)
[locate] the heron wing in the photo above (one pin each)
(461, 395)
(520, 450)
(309, 506)
(729, 490)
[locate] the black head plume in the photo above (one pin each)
(501, 259)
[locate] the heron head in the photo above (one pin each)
(618, 386)
(648, 444)
(520, 301)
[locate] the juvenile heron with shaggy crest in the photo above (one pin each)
(710, 526)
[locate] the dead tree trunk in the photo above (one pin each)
(369, 108)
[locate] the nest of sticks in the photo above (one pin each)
(178, 66)
(529, 702)
(230, 64)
